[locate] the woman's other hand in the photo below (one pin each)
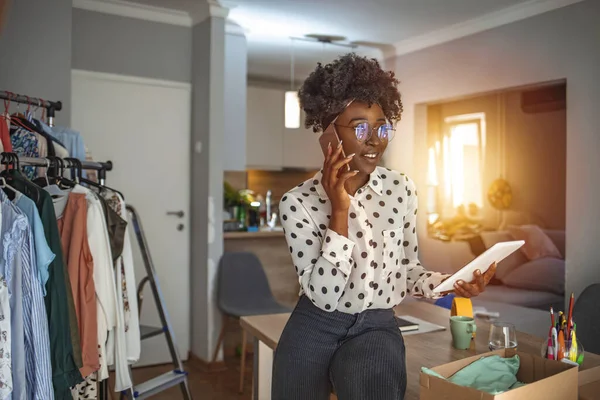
(335, 175)
(477, 286)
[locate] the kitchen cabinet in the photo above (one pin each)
(301, 148)
(264, 128)
(271, 146)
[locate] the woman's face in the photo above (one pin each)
(368, 153)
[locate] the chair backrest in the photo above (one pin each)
(586, 314)
(241, 280)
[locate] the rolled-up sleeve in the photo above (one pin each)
(419, 282)
(323, 262)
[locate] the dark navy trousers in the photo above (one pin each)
(358, 356)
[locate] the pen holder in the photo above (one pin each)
(571, 353)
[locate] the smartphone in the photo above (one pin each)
(330, 137)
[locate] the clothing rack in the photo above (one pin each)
(101, 167)
(50, 106)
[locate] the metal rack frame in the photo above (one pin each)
(101, 167)
(50, 106)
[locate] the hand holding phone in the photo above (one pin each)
(336, 171)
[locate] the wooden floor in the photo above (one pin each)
(204, 385)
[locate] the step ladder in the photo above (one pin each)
(177, 376)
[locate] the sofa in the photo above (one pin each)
(536, 284)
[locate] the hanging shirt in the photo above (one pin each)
(65, 372)
(59, 148)
(72, 141)
(72, 226)
(104, 280)
(43, 255)
(35, 320)
(4, 133)
(60, 199)
(116, 229)
(132, 334)
(11, 266)
(25, 144)
(6, 383)
(376, 266)
(126, 339)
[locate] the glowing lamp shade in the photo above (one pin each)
(292, 110)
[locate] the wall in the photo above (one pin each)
(534, 145)
(522, 53)
(207, 147)
(35, 52)
(536, 149)
(128, 46)
(236, 71)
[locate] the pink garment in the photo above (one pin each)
(5, 134)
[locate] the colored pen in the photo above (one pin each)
(570, 316)
(561, 346)
(552, 316)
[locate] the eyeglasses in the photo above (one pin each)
(363, 131)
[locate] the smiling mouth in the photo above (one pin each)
(371, 156)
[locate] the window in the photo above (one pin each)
(455, 166)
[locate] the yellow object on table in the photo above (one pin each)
(462, 307)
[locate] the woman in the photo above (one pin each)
(352, 236)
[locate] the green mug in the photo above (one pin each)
(462, 329)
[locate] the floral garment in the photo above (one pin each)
(26, 144)
(6, 384)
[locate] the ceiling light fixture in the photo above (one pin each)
(326, 39)
(292, 103)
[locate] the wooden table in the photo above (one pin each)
(422, 350)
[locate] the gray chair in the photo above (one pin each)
(243, 290)
(586, 314)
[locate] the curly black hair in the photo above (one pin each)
(329, 88)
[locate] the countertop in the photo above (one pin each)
(253, 235)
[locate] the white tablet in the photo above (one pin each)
(496, 253)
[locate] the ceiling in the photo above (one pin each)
(269, 24)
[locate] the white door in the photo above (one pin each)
(143, 127)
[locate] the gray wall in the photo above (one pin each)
(556, 45)
(35, 52)
(236, 71)
(128, 46)
(208, 115)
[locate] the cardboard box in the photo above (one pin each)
(545, 379)
(589, 384)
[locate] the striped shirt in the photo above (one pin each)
(37, 338)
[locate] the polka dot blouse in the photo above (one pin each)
(377, 265)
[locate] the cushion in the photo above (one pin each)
(537, 243)
(511, 262)
(543, 274)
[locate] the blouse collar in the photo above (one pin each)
(375, 183)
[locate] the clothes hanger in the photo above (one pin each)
(14, 174)
(75, 166)
(89, 182)
(63, 182)
(5, 185)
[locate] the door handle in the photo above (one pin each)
(178, 214)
